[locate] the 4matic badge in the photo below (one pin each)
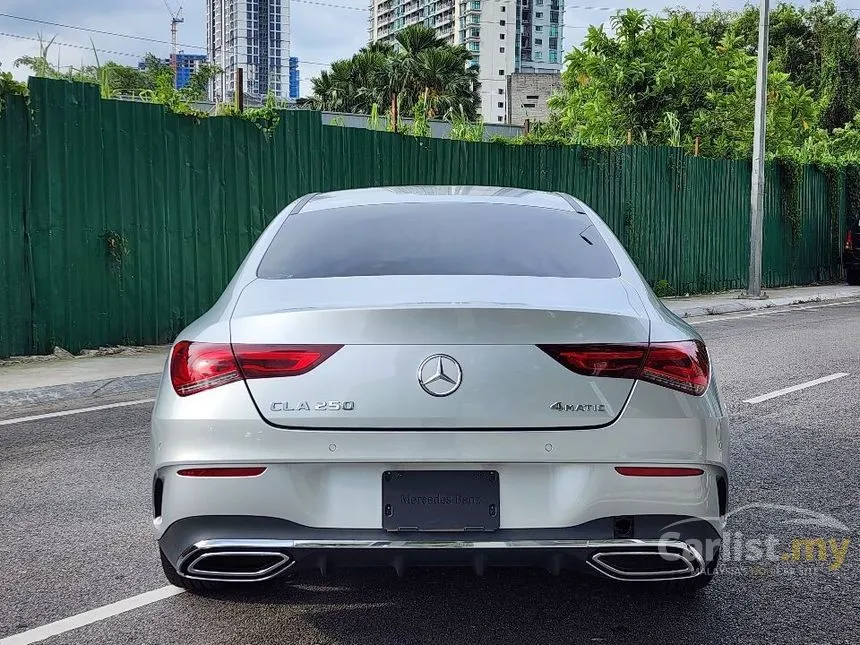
(577, 407)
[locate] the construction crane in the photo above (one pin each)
(175, 19)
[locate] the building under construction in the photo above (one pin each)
(183, 64)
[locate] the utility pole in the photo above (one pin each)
(240, 90)
(758, 176)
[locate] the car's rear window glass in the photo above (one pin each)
(437, 238)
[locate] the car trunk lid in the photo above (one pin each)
(397, 332)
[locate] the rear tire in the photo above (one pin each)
(176, 580)
(852, 276)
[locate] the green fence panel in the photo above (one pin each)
(16, 320)
(136, 218)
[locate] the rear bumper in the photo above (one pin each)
(532, 496)
(851, 260)
(652, 548)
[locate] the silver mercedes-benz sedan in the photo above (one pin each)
(429, 376)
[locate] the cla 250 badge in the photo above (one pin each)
(320, 406)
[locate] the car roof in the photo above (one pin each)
(437, 193)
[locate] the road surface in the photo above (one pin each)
(74, 499)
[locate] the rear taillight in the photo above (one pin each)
(680, 365)
(849, 241)
(195, 367)
(269, 361)
(618, 361)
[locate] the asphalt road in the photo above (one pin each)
(74, 506)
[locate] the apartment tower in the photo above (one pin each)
(253, 35)
(505, 37)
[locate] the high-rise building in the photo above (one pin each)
(504, 36)
(253, 35)
(539, 36)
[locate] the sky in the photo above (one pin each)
(321, 30)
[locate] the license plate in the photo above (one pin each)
(440, 500)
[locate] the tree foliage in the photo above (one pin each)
(154, 81)
(8, 87)
(816, 45)
(669, 79)
(419, 69)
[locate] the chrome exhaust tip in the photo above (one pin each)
(677, 561)
(250, 566)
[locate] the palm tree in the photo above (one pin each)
(447, 82)
(418, 66)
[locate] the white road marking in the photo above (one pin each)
(795, 388)
(785, 309)
(88, 617)
(65, 413)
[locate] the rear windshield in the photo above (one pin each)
(441, 238)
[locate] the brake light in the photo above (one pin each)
(849, 241)
(680, 365)
(195, 367)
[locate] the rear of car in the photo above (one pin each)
(851, 254)
(438, 376)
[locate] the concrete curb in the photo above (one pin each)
(742, 305)
(144, 383)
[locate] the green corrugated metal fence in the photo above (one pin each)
(121, 222)
(16, 316)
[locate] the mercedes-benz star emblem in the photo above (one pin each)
(439, 375)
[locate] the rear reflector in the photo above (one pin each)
(222, 472)
(681, 365)
(658, 471)
(195, 367)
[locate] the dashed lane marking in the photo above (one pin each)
(89, 617)
(795, 388)
(65, 413)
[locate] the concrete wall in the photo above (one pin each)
(438, 129)
(528, 95)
